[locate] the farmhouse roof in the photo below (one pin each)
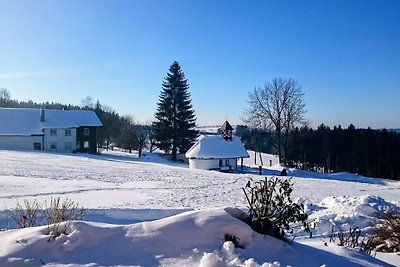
(216, 147)
(27, 121)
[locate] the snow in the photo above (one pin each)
(151, 212)
(263, 159)
(70, 118)
(216, 147)
(20, 122)
(194, 238)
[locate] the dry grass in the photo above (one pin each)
(56, 215)
(59, 213)
(25, 215)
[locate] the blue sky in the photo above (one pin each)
(344, 54)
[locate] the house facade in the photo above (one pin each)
(49, 130)
(217, 152)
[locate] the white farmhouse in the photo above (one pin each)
(217, 152)
(48, 129)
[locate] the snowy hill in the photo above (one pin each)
(213, 129)
(126, 191)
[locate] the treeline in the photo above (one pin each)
(368, 152)
(373, 153)
(255, 139)
(117, 131)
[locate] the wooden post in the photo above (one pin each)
(236, 170)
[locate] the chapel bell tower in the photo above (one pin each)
(226, 131)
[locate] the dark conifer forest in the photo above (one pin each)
(368, 152)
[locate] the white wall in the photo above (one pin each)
(203, 164)
(26, 142)
(207, 164)
(19, 142)
(60, 140)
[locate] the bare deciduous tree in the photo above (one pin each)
(278, 106)
(4, 94)
(88, 103)
(4, 97)
(141, 134)
(128, 138)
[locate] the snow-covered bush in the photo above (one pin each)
(271, 209)
(59, 212)
(386, 234)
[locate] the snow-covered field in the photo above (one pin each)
(126, 195)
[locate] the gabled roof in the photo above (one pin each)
(20, 121)
(26, 121)
(55, 118)
(216, 147)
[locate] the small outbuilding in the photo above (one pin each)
(217, 152)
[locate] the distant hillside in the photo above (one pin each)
(210, 129)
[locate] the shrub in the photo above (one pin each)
(59, 213)
(26, 215)
(67, 210)
(385, 235)
(55, 215)
(234, 239)
(271, 209)
(348, 239)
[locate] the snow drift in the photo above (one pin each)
(194, 238)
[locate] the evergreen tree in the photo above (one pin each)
(175, 121)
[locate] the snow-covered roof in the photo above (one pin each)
(26, 121)
(55, 118)
(216, 147)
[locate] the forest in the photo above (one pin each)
(368, 152)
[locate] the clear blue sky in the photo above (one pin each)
(344, 54)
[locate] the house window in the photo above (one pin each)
(53, 146)
(67, 132)
(53, 132)
(86, 144)
(220, 163)
(227, 162)
(86, 131)
(37, 146)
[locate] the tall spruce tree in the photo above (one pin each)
(175, 120)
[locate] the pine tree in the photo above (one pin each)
(175, 123)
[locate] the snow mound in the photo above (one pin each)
(193, 238)
(345, 212)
